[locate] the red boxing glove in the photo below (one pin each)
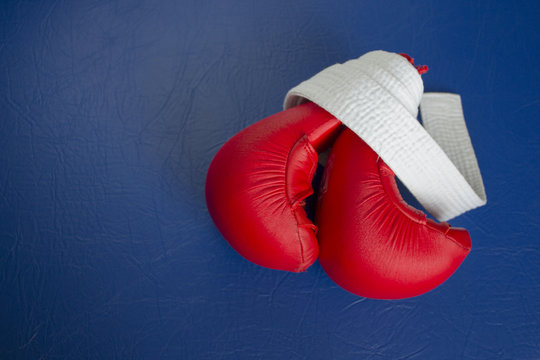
(371, 242)
(258, 180)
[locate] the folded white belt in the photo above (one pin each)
(377, 96)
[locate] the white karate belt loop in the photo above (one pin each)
(377, 96)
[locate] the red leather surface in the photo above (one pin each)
(257, 181)
(371, 242)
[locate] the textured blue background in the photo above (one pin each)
(110, 114)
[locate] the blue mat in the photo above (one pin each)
(111, 112)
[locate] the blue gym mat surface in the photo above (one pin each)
(111, 112)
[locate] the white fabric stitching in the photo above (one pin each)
(436, 163)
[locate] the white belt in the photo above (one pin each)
(377, 96)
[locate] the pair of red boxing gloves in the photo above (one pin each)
(367, 239)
